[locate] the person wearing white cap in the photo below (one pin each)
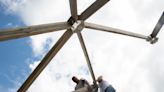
(104, 85)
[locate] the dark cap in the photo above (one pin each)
(75, 79)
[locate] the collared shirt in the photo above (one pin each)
(103, 85)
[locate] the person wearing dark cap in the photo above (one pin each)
(104, 85)
(80, 83)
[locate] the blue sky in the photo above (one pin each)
(14, 54)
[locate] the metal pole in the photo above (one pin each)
(8, 34)
(60, 43)
(114, 30)
(86, 56)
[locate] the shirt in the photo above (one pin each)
(103, 85)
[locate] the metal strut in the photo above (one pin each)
(86, 57)
(46, 60)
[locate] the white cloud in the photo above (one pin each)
(12, 6)
(130, 64)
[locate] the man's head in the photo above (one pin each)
(99, 79)
(75, 79)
